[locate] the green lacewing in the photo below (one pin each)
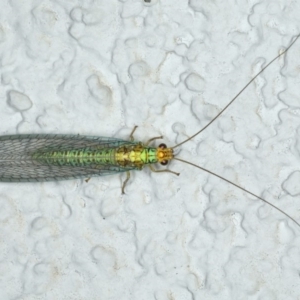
(42, 157)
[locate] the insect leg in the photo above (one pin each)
(126, 180)
(160, 171)
(155, 138)
(132, 132)
(148, 142)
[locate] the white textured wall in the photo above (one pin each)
(169, 66)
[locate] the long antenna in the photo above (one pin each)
(212, 173)
(238, 94)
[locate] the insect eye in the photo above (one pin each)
(162, 146)
(164, 162)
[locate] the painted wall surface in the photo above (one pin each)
(168, 66)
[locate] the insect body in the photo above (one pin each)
(29, 158)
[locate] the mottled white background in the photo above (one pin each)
(168, 66)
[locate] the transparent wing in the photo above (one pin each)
(17, 165)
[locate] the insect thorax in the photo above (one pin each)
(135, 156)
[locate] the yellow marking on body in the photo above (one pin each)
(132, 156)
(164, 154)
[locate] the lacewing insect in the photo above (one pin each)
(40, 157)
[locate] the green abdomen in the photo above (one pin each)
(79, 157)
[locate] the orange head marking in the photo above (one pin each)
(164, 154)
